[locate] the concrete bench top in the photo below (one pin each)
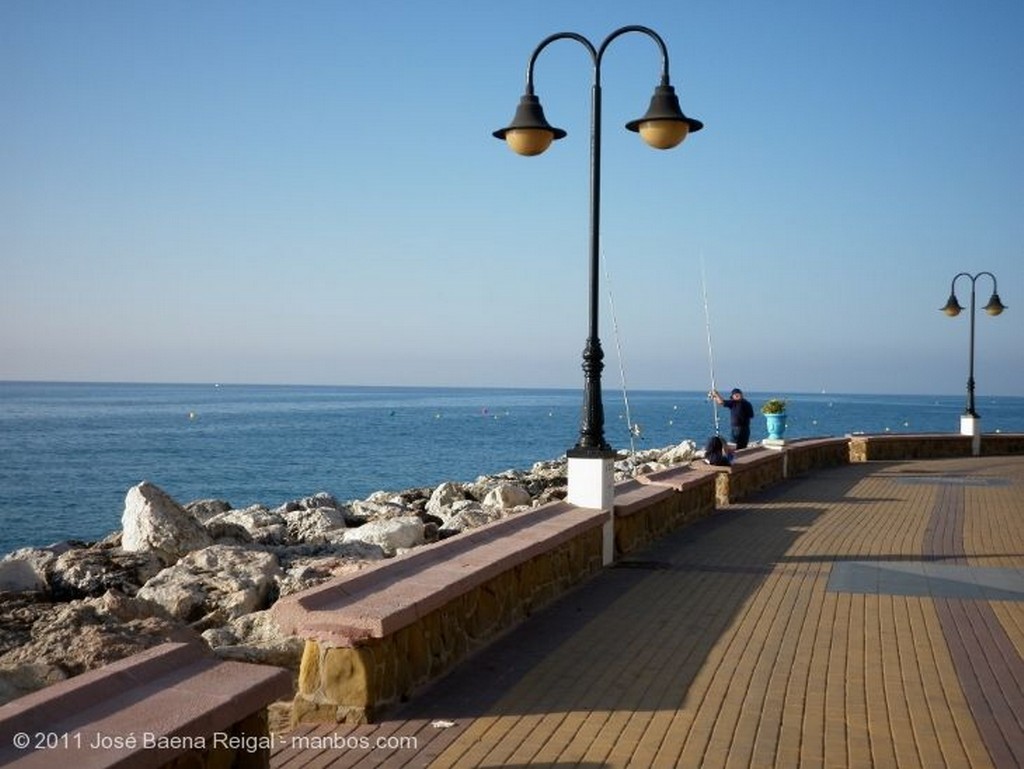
(744, 459)
(823, 440)
(634, 495)
(678, 478)
(141, 711)
(392, 594)
(915, 437)
(639, 493)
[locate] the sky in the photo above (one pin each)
(309, 193)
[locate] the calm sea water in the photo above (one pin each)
(69, 452)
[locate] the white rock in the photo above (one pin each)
(390, 533)
(444, 496)
(376, 506)
(18, 576)
(684, 452)
(315, 526)
(648, 467)
(507, 495)
(152, 521)
(468, 515)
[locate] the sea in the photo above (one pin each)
(69, 452)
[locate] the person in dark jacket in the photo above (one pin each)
(740, 414)
(715, 452)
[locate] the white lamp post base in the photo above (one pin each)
(971, 425)
(592, 484)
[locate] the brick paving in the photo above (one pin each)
(864, 616)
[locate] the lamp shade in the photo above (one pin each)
(530, 133)
(994, 306)
(664, 125)
(952, 308)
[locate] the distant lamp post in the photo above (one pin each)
(663, 126)
(970, 422)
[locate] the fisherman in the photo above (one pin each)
(740, 414)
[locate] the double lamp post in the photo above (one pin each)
(663, 126)
(970, 421)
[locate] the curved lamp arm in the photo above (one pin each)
(663, 126)
(952, 307)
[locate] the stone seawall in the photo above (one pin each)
(352, 683)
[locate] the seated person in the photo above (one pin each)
(716, 453)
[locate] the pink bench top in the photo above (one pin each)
(141, 711)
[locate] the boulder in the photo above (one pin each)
(19, 612)
(26, 569)
(256, 638)
(467, 514)
(19, 576)
(377, 507)
(65, 639)
(305, 568)
(260, 525)
(93, 571)
(391, 534)
(217, 583)
(507, 495)
(152, 521)
(683, 452)
(204, 509)
(444, 496)
(315, 525)
(19, 680)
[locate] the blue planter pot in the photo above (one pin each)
(776, 424)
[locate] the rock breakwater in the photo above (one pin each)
(208, 572)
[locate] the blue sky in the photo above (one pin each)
(309, 192)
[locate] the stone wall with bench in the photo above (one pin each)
(375, 636)
(653, 505)
(751, 471)
(865, 448)
(896, 446)
(170, 707)
(807, 455)
(996, 444)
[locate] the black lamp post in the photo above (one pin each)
(953, 308)
(663, 126)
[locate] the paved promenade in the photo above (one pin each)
(870, 615)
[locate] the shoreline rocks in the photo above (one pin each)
(208, 572)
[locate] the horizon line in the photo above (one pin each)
(559, 388)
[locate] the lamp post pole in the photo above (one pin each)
(663, 126)
(970, 422)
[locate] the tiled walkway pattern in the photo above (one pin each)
(865, 616)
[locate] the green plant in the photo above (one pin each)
(774, 406)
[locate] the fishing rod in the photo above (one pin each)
(634, 429)
(711, 351)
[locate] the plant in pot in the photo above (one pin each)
(774, 411)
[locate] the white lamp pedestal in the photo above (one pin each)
(592, 484)
(970, 424)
